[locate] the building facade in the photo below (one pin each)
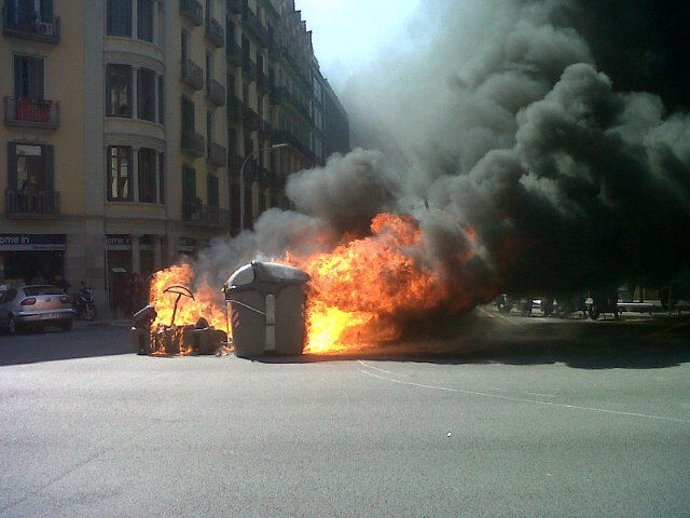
(133, 128)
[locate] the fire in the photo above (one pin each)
(356, 291)
(186, 311)
(357, 295)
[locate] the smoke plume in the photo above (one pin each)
(528, 166)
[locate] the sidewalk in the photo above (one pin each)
(105, 317)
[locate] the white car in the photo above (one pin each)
(39, 306)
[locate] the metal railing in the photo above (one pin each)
(215, 92)
(27, 203)
(193, 144)
(192, 74)
(194, 211)
(21, 23)
(217, 154)
(215, 32)
(25, 111)
(193, 10)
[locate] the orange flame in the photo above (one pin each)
(207, 302)
(356, 291)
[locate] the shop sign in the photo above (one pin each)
(118, 242)
(186, 244)
(33, 242)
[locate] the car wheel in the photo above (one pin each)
(593, 312)
(12, 325)
(67, 325)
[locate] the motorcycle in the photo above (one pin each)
(83, 304)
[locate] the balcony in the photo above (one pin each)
(217, 155)
(193, 144)
(193, 11)
(36, 113)
(253, 23)
(32, 204)
(251, 119)
(192, 74)
(234, 161)
(249, 69)
(199, 212)
(235, 107)
(233, 54)
(234, 6)
(30, 25)
(215, 92)
(265, 130)
(262, 81)
(215, 33)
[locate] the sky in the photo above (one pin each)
(348, 34)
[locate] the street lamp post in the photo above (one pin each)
(244, 163)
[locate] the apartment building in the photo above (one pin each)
(137, 130)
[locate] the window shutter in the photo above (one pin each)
(108, 94)
(11, 166)
(36, 82)
(49, 161)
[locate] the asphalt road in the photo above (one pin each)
(486, 416)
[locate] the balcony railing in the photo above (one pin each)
(253, 22)
(31, 204)
(262, 81)
(233, 54)
(193, 11)
(251, 119)
(249, 69)
(192, 74)
(235, 6)
(203, 213)
(193, 144)
(234, 161)
(217, 155)
(215, 32)
(24, 111)
(235, 107)
(215, 92)
(27, 24)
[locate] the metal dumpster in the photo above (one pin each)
(266, 303)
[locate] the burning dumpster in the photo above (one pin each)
(174, 339)
(266, 303)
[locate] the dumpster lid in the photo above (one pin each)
(266, 272)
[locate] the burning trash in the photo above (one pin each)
(187, 332)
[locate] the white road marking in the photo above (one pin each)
(517, 399)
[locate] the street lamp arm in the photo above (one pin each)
(244, 163)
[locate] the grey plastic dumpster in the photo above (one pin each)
(266, 303)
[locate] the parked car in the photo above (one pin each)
(39, 305)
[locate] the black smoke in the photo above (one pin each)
(543, 146)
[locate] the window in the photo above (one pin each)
(161, 177)
(161, 100)
(28, 77)
(146, 94)
(213, 194)
(119, 173)
(188, 125)
(147, 175)
(30, 167)
(189, 199)
(120, 18)
(119, 90)
(209, 129)
(145, 20)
